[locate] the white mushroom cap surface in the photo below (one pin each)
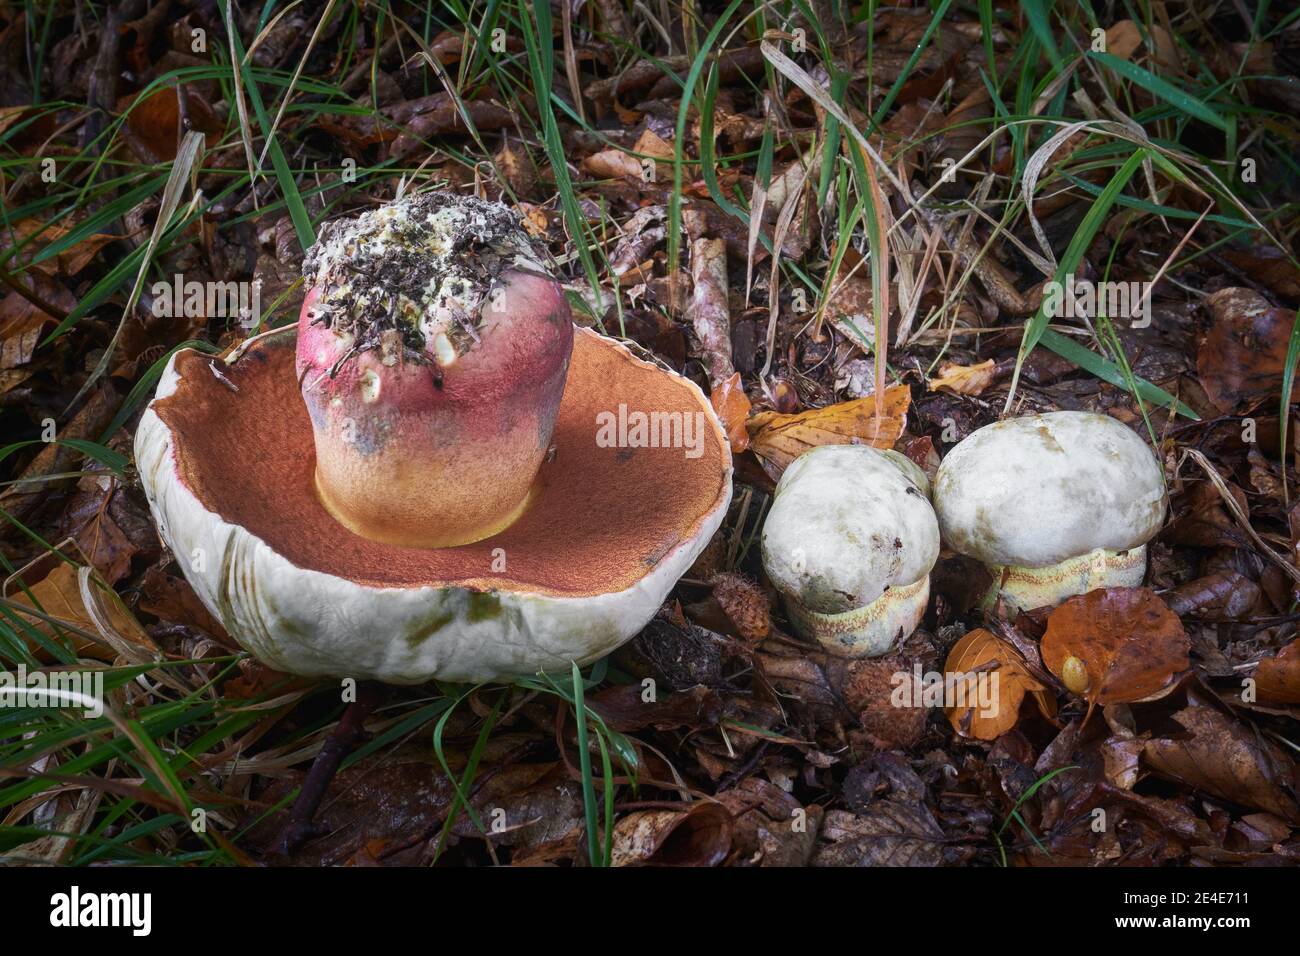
(847, 522)
(1035, 491)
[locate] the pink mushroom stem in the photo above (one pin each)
(437, 446)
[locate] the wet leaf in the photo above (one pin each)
(1130, 643)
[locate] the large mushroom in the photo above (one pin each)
(1054, 505)
(849, 542)
(408, 485)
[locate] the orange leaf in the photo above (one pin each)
(964, 379)
(981, 654)
(59, 596)
(732, 405)
(779, 439)
(1130, 643)
(1277, 680)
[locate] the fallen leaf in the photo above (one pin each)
(1277, 679)
(732, 406)
(699, 835)
(964, 379)
(625, 708)
(34, 235)
(849, 306)
(768, 827)
(1130, 643)
(59, 595)
(613, 164)
(981, 655)
(888, 833)
(779, 439)
(1221, 596)
(156, 120)
(1226, 758)
(1269, 267)
(1243, 357)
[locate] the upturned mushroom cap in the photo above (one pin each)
(849, 523)
(432, 351)
(226, 457)
(1036, 491)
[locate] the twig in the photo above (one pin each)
(349, 732)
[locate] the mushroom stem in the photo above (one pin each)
(867, 631)
(1022, 588)
(433, 349)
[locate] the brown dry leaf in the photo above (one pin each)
(1227, 758)
(849, 305)
(964, 379)
(651, 143)
(68, 262)
(889, 833)
(1221, 596)
(1277, 680)
(58, 595)
(779, 439)
(1243, 357)
(1129, 642)
(173, 600)
(626, 708)
(700, 835)
(518, 169)
(769, 827)
(613, 164)
(156, 121)
(1122, 39)
(1269, 267)
(732, 406)
(990, 718)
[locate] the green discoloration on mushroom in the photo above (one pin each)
(483, 606)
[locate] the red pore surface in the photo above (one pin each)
(418, 453)
(603, 516)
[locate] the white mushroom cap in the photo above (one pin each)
(1036, 491)
(847, 522)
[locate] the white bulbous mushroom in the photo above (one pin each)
(1054, 505)
(355, 511)
(849, 542)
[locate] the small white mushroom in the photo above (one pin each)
(1054, 505)
(849, 543)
